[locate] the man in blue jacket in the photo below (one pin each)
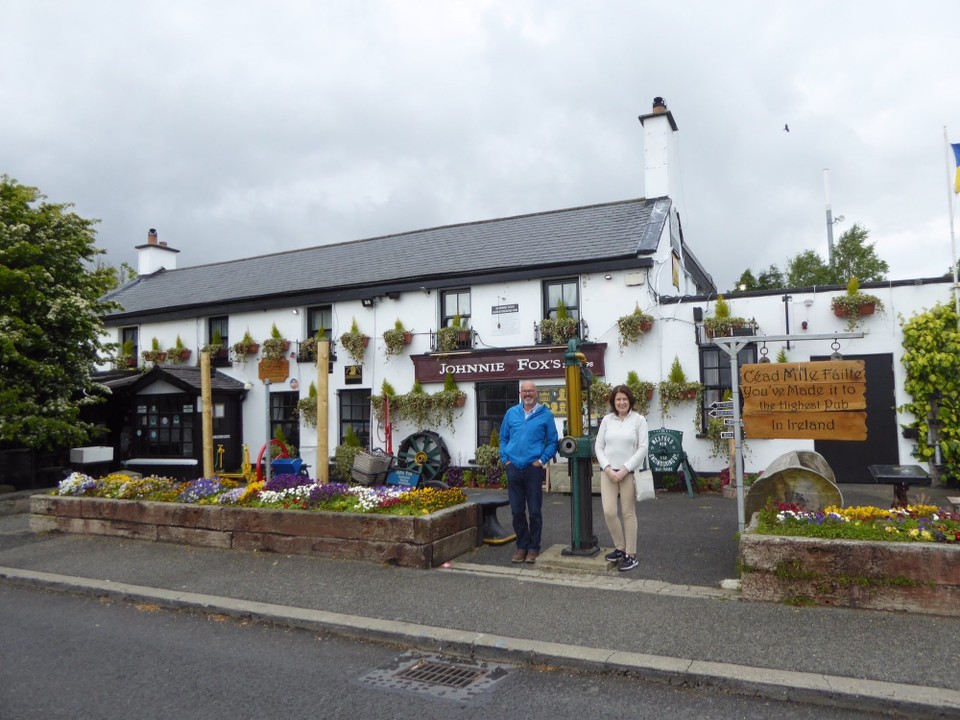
(528, 441)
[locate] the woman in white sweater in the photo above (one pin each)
(621, 449)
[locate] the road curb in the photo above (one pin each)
(828, 690)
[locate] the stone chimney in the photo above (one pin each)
(155, 255)
(661, 177)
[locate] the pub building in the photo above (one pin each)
(503, 282)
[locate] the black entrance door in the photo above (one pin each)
(849, 460)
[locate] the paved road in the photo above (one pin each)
(77, 657)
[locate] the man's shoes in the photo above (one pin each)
(532, 556)
(628, 562)
(519, 556)
(614, 556)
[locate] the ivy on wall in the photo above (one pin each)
(932, 361)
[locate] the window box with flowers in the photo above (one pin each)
(355, 343)
(397, 338)
(633, 326)
(855, 305)
(218, 351)
(455, 336)
(559, 329)
(245, 347)
(723, 324)
(275, 347)
(178, 353)
(128, 356)
(676, 388)
(154, 354)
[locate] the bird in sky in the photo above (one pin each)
(786, 128)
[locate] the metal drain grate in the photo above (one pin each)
(441, 674)
(464, 681)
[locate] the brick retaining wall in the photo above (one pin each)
(423, 541)
(914, 577)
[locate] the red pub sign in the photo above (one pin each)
(512, 364)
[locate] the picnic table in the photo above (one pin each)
(901, 477)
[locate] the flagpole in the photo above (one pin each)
(951, 175)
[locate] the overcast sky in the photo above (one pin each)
(240, 128)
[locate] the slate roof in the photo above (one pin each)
(183, 377)
(612, 231)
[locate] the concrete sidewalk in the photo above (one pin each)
(668, 620)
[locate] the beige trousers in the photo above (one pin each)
(623, 533)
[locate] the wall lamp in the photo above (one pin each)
(393, 295)
(368, 302)
(425, 290)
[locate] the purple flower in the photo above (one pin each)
(199, 489)
(286, 481)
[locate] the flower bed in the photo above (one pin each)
(854, 557)
(413, 528)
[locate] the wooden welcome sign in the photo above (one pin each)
(813, 400)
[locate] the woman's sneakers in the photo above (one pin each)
(627, 562)
(615, 556)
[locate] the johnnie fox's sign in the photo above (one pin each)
(514, 364)
(813, 400)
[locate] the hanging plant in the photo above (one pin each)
(245, 347)
(355, 343)
(642, 392)
(275, 347)
(447, 402)
(379, 403)
(397, 338)
(633, 326)
(417, 406)
(855, 305)
(676, 388)
(215, 347)
(307, 407)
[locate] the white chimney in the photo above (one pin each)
(661, 177)
(155, 255)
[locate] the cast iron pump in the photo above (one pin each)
(577, 447)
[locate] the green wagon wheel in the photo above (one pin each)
(424, 452)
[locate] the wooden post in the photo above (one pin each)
(206, 399)
(323, 391)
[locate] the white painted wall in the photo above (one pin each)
(602, 302)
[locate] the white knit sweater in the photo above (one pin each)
(622, 443)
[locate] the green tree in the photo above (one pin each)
(117, 276)
(51, 334)
(745, 282)
(853, 256)
(771, 279)
(807, 269)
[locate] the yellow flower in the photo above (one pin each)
(913, 532)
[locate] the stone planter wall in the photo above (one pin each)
(915, 577)
(423, 542)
